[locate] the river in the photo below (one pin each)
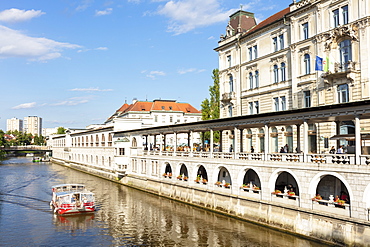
(124, 216)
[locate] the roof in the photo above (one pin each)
(270, 20)
(156, 105)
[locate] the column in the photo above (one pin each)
(357, 140)
(155, 142)
(175, 144)
(236, 144)
(164, 142)
(337, 132)
(305, 140)
(160, 143)
(220, 141)
(267, 141)
(211, 142)
(146, 142)
(191, 142)
(298, 138)
(241, 140)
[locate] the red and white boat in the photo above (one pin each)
(72, 199)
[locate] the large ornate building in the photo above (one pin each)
(307, 55)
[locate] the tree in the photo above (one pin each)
(211, 107)
(61, 130)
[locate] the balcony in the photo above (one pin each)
(227, 97)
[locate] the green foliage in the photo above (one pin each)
(211, 106)
(61, 130)
(21, 139)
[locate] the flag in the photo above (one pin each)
(318, 65)
(326, 64)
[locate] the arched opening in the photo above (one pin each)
(223, 177)
(329, 186)
(167, 171)
(312, 138)
(202, 176)
(251, 180)
(134, 142)
(286, 182)
(289, 138)
(274, 140)
(184, 175)
(261, 137)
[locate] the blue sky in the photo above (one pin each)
(75, 62)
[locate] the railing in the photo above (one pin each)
(343, 159)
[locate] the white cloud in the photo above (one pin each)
(19, 15)
(90, 90)
(84, 5)
(25, 106)
(107, 11)
(191, 70)
(72, 102)
(153, 74)
(95, 49)
(13, 43)
(186, 15)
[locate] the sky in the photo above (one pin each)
(75, 62)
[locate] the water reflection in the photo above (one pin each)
(124, 216)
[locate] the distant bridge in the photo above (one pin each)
(27, 148)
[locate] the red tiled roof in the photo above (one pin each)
(270, 20)
(156, 105)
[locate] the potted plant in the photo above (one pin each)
(204, 181)
(218, 183)
(165, 175)
(179, 177)
(185, 178)
(227, 185)
(276, 192)
(197, 180)
(291, 193)
(170, 175)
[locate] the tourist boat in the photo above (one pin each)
(72, 199)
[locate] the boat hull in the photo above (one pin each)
(72, 209)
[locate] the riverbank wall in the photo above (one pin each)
(325, 227)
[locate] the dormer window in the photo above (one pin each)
(170, 108)
(162, 108)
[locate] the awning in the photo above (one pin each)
(349, 137)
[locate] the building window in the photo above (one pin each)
(282, 69)
(250, 80)
(256, 81)
(307, 98)
(255, 52)
(307, 64)
(345, 14)
(121, 151)
(305, 30)
(231, 83)
(171, 119)
(155, 118)
(276, 74)
(256, 107)
(345, 53)
(281, 41)
(336, 17)
(230, 111)
(275, 43)
(343, 94)
(229, 60)
(283, 103)
(250, 53)
(251, 108)
(276, 104)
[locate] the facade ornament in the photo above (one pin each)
(350, 31)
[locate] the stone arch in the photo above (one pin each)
(281, 178)
(224, 175)
(249, 175)
(134, 142)
(167, 168)
(202, 172)
(366, 196)
(318, 177)
(183, 171)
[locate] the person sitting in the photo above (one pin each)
(317, 197)
(340, 150)
(332, 150)
(343, 196)
(252, 149)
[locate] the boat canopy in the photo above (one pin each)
(68, 187)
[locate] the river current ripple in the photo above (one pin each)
(124, 216)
